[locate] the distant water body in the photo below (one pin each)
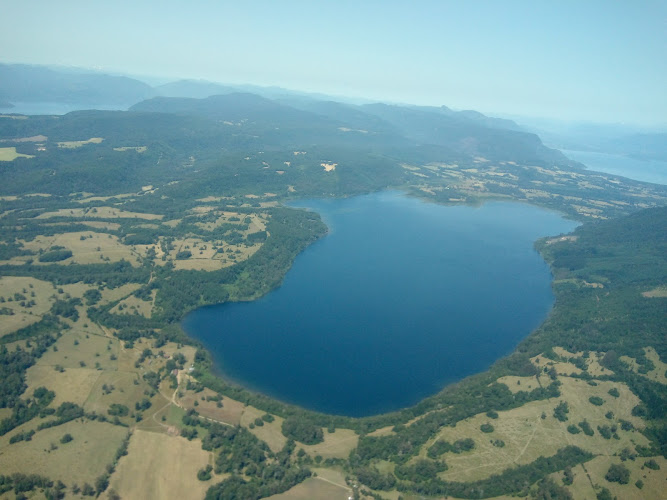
(57, 108)
(640, 170)
(400, 298)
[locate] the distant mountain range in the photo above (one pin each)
(23, 83)
(277, 115)
(611, 138)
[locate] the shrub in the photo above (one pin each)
(118, 410)
(205, 474)
(652, 464)
(586, 427)
(55, 256)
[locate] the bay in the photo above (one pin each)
(654, 171)
(400, 298)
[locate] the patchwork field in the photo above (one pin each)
(86, 247)
(518, 384)
(526, 435)
(230, 413)
(337, 444)
(75, 347)
(98, 213)
(113, 387)
(315, 488)
(23, 302)
(73, 384)
(135, 305)
(113, 294)
(658, 373)
(653, 480)
(161, 467)
(81, 460)
(269, 432)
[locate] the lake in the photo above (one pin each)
(641, 170)
(400, 298)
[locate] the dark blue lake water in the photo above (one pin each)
(399, 299)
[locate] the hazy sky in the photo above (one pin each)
(595, 60)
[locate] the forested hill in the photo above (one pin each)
(611, 274)
(290, 120)
(467, 134)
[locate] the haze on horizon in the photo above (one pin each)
(598, 61)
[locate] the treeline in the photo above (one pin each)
(182, 291)
(23, 483)
(512, 481)
(275, 481)
(241, 453)
(441, 446)
(13, 367)
(48, 325)
(113, 274)
(291, 232)
(25, 410)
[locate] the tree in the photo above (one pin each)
(561, 411)
(101, 483)
(302, 430)
(618, 473)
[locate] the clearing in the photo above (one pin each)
(81, 460)
(527, 436)
(10, 154)
(327, 485)
(159, 466)
(78, 144)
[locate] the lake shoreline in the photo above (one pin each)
(434, 386)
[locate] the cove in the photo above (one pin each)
(400, 298)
